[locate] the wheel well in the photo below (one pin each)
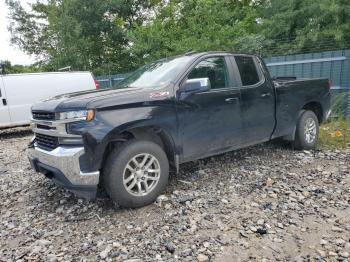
(154, 134)
(316, 108)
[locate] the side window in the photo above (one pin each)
(247, 70)
(213, 68)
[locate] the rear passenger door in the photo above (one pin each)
(257, 100)
(4, 109)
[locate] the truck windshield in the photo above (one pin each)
(155, 74)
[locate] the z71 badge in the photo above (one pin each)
(159, 94)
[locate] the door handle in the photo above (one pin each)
(265, 94)
(231, 99)
(4, 102)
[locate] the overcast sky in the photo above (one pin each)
(7, 51)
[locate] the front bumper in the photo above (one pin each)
(63, 166)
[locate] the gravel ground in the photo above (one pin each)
(264, 203)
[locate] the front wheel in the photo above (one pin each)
(307, 131)
(136, 173)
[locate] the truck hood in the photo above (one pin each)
(96, 99)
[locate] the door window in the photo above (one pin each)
(213, 68)
(247, 70)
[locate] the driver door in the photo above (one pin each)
(210, 121)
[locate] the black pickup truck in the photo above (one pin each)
(168, 112)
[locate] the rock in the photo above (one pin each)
(243, 234)
(42, 242)
(253, 228)
(202, 258)
(260, 222)
(261, 230)
(52, 258)
(340, 242)
(187, 252)
(105, 252)
(129, 227)
(206, 244)
(100, 243)
(337, 229)
(321, 253)
(116, 244)
(60, 210)
(344, 254)
(225, 201)
(170, 247)
(254, 204)
(36, 249)
(162, 198)
(323, 242)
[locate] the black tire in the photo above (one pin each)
(302, 140)
(117, 161)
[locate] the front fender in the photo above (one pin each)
(110, 124)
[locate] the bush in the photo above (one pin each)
(335, 135)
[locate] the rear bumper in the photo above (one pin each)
(63, 166)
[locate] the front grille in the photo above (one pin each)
(40, 115)
(46, 142)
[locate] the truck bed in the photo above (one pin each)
(291, 95)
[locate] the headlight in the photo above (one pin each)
(79, 115)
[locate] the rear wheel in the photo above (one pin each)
(136, 173)
(307, 131)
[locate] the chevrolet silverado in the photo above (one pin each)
(168, 112)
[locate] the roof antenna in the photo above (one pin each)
(189, 52)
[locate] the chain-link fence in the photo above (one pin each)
(333, 65)
(108, 81)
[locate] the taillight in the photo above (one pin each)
(329, 84)
(97, 84)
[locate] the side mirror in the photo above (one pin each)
(196, 85)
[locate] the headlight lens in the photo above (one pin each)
(80, 114)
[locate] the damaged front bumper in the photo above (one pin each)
(65, 166)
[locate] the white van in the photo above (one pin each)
(19, 91)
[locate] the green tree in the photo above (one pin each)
(83, 34)
(293, 26)
(118, 35)
(17, 69)
(199, 25)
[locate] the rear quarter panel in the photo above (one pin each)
(292, 96)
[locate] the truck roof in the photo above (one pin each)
(198, 54)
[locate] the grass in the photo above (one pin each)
(335, 135)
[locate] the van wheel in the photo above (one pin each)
(307, 131)
(136, 173)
